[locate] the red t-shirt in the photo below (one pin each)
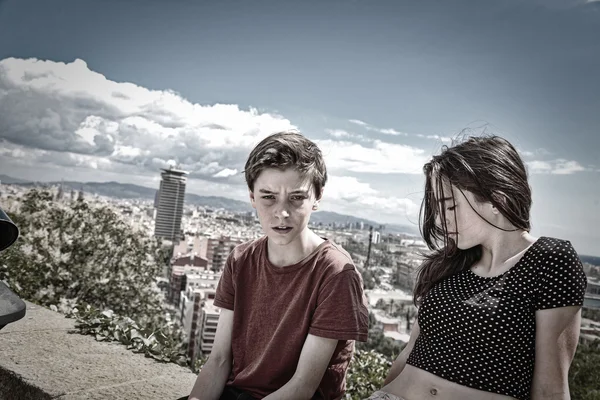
(275, 308)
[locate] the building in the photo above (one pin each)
(169, 204)
(192, 245)
(406, 271)
(376, 237)
(191, 260)
(207, 329)
(592, 293)
(192, 305)
(218, 250)
(178, 280)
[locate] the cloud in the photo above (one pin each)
(539, 152)
(342, 134)
(391, 131)
(380, 158)
(66, 109)
(339, 133)
(443, 139)
(358, 122)
(225, 173)
(348, 193)
(557, 167)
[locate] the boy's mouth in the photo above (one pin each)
(282, 229)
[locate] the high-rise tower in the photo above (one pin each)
(169, 204)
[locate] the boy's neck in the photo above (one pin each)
(294, 252)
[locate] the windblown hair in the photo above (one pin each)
(285, 150)
(490, 168)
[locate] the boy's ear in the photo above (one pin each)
(317, 200)
(320, 196)
(252, 199)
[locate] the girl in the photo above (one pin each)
(499, 310)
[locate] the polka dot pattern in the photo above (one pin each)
(480, 331)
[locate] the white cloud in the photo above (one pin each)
(342, 134)
(358, 122)
(67, 108)
(381, 158)
(391, 131)
(539, 152)
(224, 173)
(348, 193)
(443, 139)
(386, 131)
(557, 167)
(347, 188)
(338, 133)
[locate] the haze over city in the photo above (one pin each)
(114, 91)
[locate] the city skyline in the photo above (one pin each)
(380, 88)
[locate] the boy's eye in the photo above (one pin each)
(298, 198)
(451, 208)
(268, 197)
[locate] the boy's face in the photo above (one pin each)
(284, 201)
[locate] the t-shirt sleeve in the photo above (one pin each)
(341, 312)
(225, 293)
(561, 281)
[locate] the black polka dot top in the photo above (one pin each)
(480, 331)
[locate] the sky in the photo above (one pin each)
(116, 90)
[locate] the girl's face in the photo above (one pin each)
(461, 222)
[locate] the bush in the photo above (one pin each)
(366, 374)
(78, 254)
(583, 375)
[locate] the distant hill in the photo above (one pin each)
(10, 180)
(326, 217)
(590, 259)
(130, 191)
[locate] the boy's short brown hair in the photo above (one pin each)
(283, 150)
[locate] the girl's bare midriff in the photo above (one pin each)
(416, 384)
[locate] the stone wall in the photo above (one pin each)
(69, 366)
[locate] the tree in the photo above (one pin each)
(366, 374)
(76, 253)
(583, 374)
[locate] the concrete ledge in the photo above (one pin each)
(71, 366)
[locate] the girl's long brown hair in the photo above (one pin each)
(490, 168)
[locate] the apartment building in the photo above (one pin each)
(207, 330)
(192, 306)
(218, 250)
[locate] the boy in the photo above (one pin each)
(291, 302)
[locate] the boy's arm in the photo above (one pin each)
(314, 359)
(213, 376)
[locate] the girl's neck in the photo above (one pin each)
(503, 251)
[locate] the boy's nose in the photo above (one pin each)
(283, 213)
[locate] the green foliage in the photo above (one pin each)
(591, 313)
(77, 253)
(199, 363)
(583, 375)
(370, 279)
(163, 344)
(366, 374)
(74, 256)
(381, 344)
